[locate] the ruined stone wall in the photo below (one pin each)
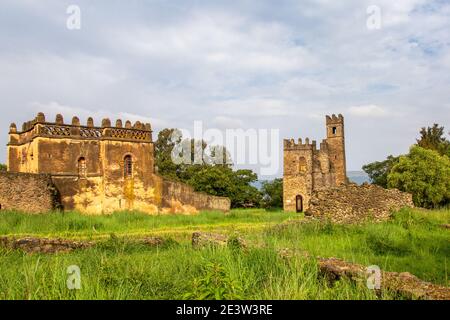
(100, 169)
(353, 204)
(177, 191)
(323, 168)
(323, 177)
(298, 166)
(28, 192)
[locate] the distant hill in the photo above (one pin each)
(358, 177)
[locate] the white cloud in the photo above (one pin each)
(367, 111)
(52, 108)
(253, 107)
(254, 63)
(228, 122)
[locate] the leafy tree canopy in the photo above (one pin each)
(425, 174)
(379, 170)
(3, 167)
(433, 138)
(272, 193)
(205, 175)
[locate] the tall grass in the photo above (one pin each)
(413, 241)
(131, 271)
(74, 224)
(119, 268)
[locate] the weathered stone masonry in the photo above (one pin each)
(32, 193)
(307, 168)
(99, 169)
(354, 204)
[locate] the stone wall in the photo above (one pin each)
(33, 193)
(185, 194)
(306, 168)
(352, 203)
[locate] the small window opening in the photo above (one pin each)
(302, 164)
(128, 166)
(334, 130)
(82, 171)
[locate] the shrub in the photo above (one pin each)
(425, 174)
(215, 284)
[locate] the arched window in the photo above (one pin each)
(82, 171)
(302, 164)
(128, 166)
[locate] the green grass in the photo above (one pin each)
(119, 268)
(75, 225)
(131, 271)
(412, 241)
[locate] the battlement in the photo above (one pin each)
(290, 144)
(39, 127)
(306, 169)
(333, 119)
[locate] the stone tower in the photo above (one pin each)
(307, 168)
(336, 146)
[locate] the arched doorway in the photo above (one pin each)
(299, 203)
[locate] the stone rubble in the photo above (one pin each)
(43, 245)
(355, 204)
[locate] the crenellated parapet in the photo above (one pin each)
(333, 119)
(291, 144)
(39, 127)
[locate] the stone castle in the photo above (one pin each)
(307, 169)
(90, 169)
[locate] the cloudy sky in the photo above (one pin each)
(244, 64)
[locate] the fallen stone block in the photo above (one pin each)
(43, 245)
(202, 239)
(403, 283)
(153, 241)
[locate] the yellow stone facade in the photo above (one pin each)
(306, 168)
(98, 169)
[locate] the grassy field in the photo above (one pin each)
(119, 268)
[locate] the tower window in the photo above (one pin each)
(128, 166)
(82, 171)
(334, 130)
(302, 164)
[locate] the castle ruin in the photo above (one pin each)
(94, 169)
(307, 169)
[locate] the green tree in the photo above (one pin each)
(163, 159)
(223, 181)
(244, 193)
(378, 171)
(272, 193)
(3, 167)
(206, 176)
(433, 138)
(425, 174)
